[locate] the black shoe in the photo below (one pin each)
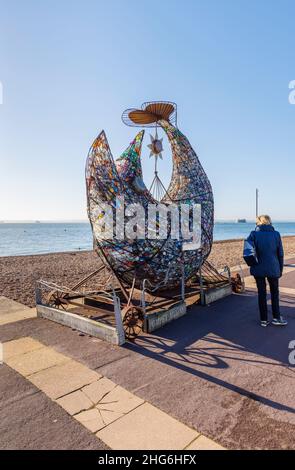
(279, 321)
(264, 323)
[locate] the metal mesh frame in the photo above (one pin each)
(149, 259)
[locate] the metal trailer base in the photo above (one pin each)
(154, 319)
(117, 313)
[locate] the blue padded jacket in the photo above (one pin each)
(269, 251)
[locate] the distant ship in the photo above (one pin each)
(242, 221)
(37, 222)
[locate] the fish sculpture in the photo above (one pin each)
(162, 262)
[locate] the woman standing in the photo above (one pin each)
(270, 255)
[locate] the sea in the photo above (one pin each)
(37, 238)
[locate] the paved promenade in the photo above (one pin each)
(212, 379)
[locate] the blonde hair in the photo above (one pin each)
(263, 220)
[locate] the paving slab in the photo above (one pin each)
(119, 400)
(19, 315)
(35, 361)
(97, 390)
(63, 379)
(112, 401)
(11, 311)
(20, 346)
(9, 306)
(109, 416)
(75, 402)
(147, 428)
(91, 419)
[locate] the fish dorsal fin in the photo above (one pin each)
(101, 172)
(129, 163)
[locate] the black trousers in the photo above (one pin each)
(274, 292)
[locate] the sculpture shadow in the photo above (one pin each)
(225, 335)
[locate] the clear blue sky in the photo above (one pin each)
(69, 69)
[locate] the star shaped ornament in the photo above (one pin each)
(156, 146)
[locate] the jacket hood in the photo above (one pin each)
(265, 228)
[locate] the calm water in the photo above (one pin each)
(25, 239)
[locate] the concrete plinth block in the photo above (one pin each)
(216, 293)
(80, 323)
(160, 318)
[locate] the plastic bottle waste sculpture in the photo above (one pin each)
(161, 262)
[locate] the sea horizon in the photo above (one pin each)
(29, 238)
(86, 221)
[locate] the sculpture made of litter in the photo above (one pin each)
(161, 261)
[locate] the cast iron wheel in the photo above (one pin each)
(56, 300)
(133, 320)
